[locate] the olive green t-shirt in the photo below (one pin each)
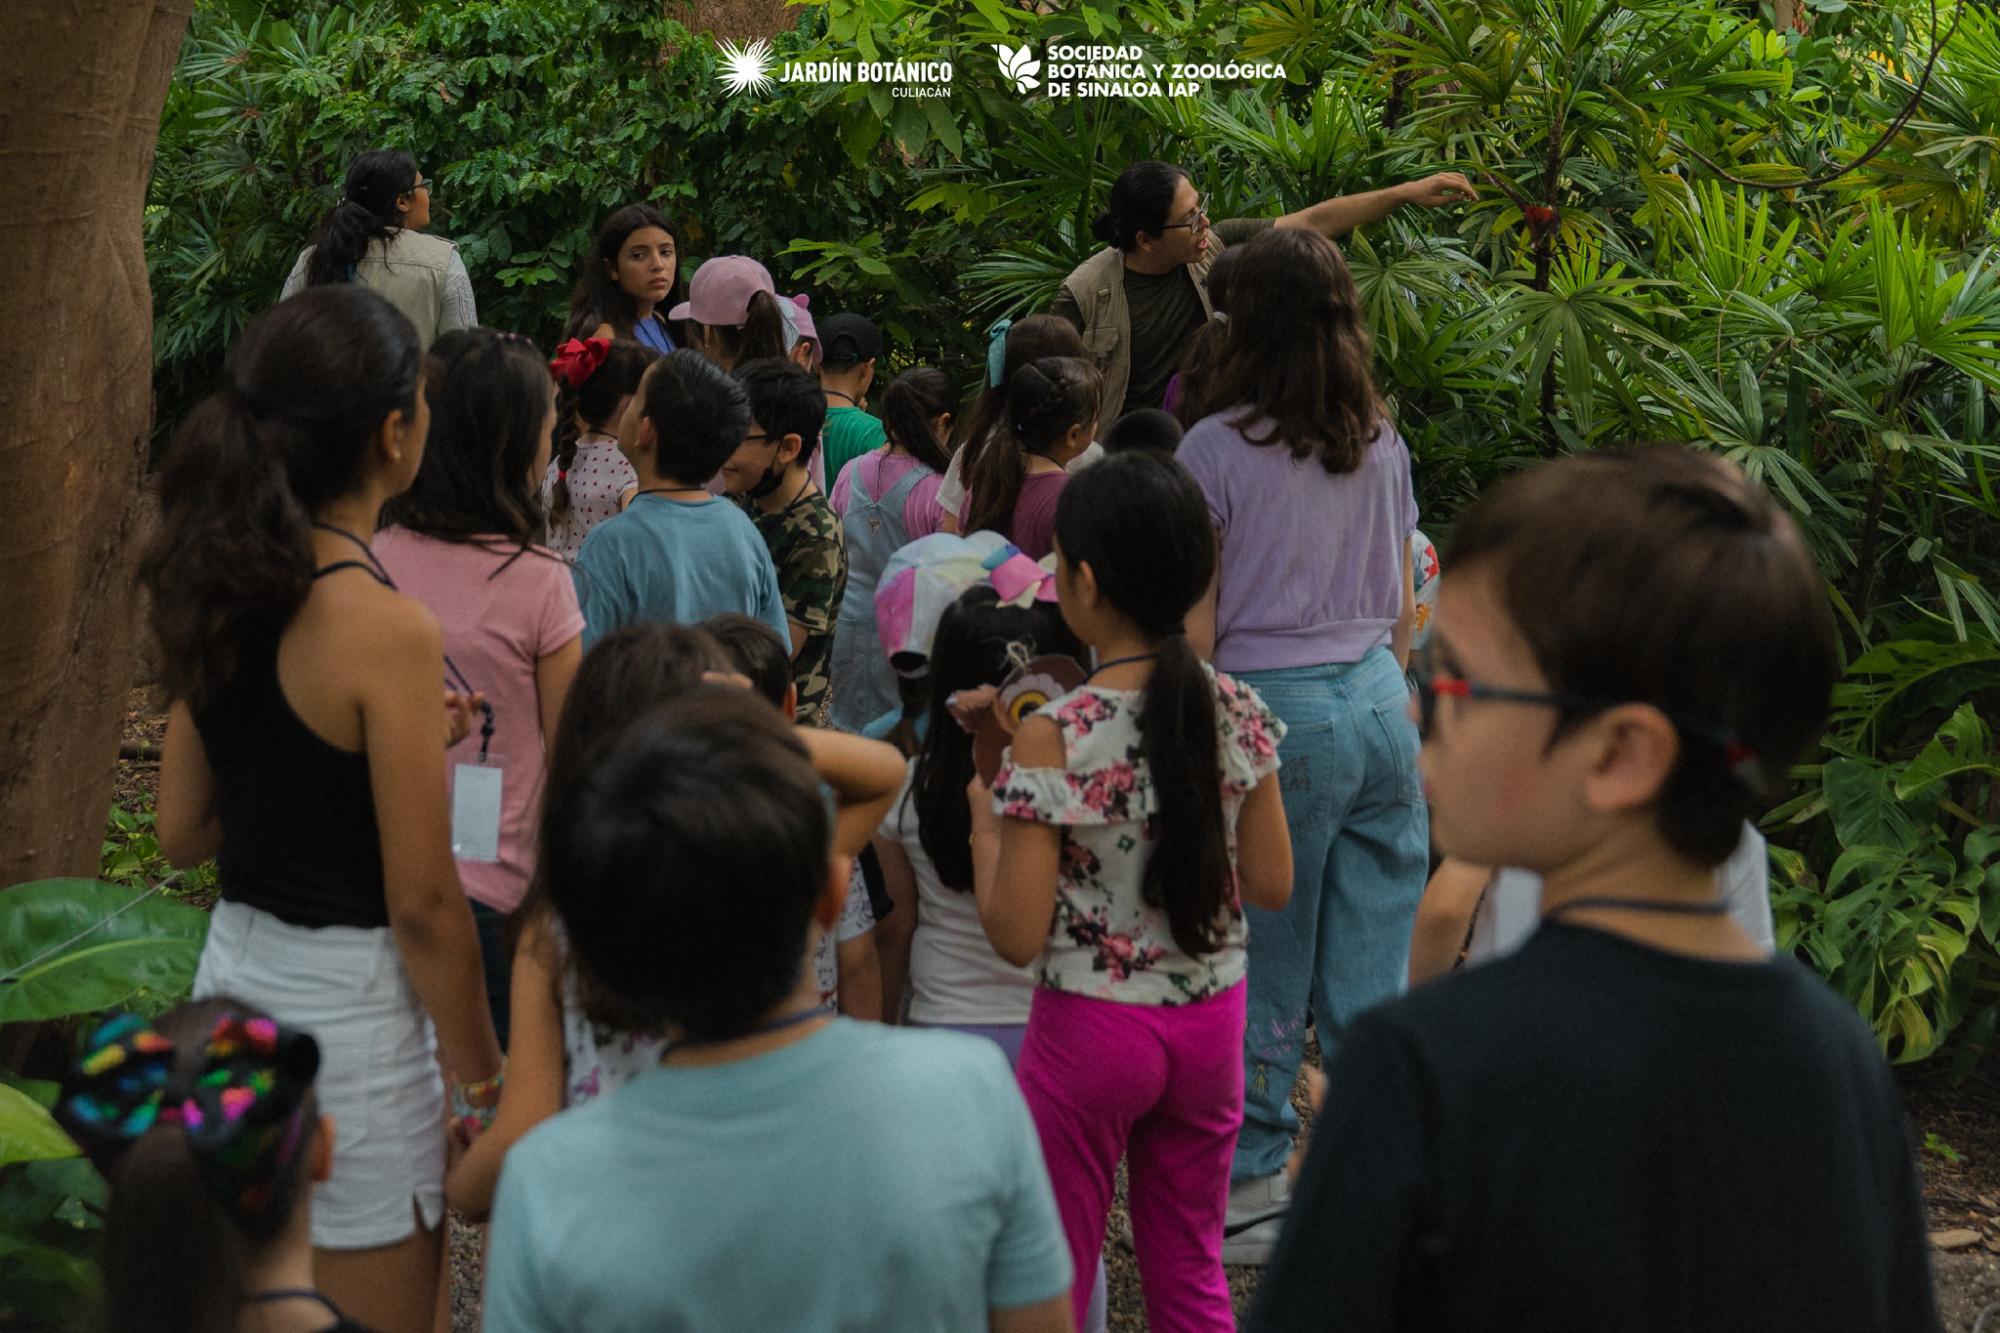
(1166, 311)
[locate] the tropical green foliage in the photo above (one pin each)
(1838, 334)
(70, 949)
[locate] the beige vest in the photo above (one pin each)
(408, 270)
(1098, 288)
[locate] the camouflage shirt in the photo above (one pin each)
(811, 556)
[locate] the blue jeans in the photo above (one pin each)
(1360, 851)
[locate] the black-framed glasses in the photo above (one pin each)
(1431, 683)
(758, 435)
(1197, 221)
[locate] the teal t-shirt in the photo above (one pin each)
(666, 560)
(849, 433)
(865, 1177)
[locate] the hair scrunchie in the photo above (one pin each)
(242, 1111)
(996, 352)
(578, 359)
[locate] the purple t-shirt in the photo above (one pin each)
(1312, 563)
(1032, 525)
(498, 625)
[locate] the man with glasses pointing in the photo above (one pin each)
(1138, 301)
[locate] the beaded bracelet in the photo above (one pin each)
(473, 1105)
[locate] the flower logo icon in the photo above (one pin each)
(746, 69)
(1020, 67)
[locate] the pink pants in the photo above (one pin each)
(1164, 1085)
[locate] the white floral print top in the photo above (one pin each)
(1104, 941)
(598, 475)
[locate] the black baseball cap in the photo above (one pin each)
(847, 339)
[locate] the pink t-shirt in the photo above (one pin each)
(1032, 525)
(498, 623)
(885, 472)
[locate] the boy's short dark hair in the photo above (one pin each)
(785, 399)
(1665, 576)
(756, 650)
(700, 414)
(686, 861)
(1143, 428)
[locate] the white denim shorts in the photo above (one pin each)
(378, 1075)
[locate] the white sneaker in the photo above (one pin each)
(1256, 1216)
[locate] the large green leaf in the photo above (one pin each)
(74, 946)
(1866, 811)
(28, 1133)
(1962, 745)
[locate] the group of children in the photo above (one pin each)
(686, 888)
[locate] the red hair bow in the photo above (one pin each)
(578, 359)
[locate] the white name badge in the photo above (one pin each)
(475, 810)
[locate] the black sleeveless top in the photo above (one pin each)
(299, 838)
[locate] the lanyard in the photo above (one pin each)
(457, 677)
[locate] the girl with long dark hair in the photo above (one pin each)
(1129, 824)
(374, 235)
(985, 415)
(630, 277)
(886, 499)
(733, 312)
(1309, 488)
(1012, 486)
(465, 540)
(305, 751)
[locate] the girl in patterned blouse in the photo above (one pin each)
(1126, 827)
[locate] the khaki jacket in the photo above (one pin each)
(1098, 287)
(409, 271)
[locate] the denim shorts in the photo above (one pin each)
(378, 1075)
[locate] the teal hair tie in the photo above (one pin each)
(996, 352)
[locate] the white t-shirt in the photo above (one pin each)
(951, 495)
(1512, 907)
(955, 977)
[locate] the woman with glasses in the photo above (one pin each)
(1139, 300)
(1309, 487)
(374, 235)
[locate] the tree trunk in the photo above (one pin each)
(81, 88)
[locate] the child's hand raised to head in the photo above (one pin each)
(865, 776)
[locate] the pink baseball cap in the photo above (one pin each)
(720, 291)
(801, 318)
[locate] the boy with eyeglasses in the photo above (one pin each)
(1638, 1121)
(768, 476)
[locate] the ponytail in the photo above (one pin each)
(173, 1261)
(1139, 521)
(916, 398)
(1188, 874)
(312, 380)
(763, 331)
(366, 212)
(1030, 340)
(1045, 399)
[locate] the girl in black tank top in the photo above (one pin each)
(341, 912)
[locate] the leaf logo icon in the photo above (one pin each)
(1020, 67)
